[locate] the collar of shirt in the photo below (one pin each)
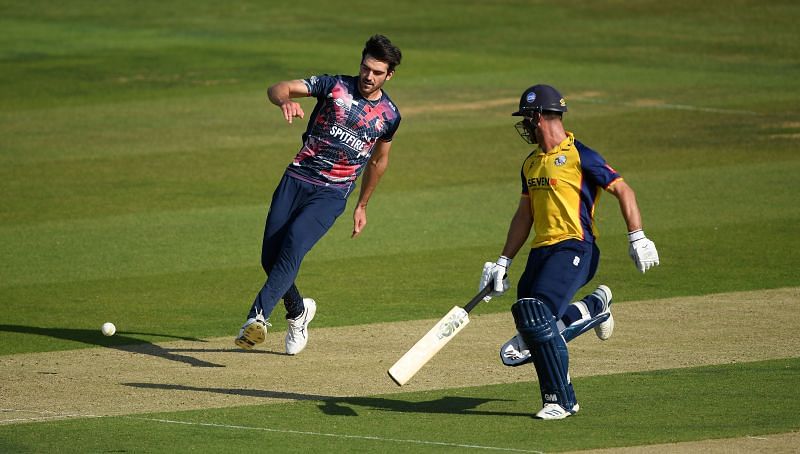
(564, 145)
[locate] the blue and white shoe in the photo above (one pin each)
(515, 352)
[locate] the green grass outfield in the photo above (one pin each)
(138, 155)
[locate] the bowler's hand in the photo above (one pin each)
(291, 109)
(642, 251)
(359, 220)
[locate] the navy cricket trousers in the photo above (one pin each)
(555, 273)
(299, 215)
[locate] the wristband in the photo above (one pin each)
(635, 235)
(504, 261)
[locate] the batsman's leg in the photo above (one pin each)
(515, 351)
(537, 328)
(602, 322)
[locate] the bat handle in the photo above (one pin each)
(478, 298)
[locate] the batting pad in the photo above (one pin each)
(537, 326)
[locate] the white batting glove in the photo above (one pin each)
(642, 251)
(496, 273)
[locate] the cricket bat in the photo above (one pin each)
(430, 344)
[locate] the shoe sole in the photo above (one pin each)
(253, 334)
(553, 415)
(244, 343)
(605, 329)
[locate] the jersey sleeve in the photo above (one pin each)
(596, 168)
(389, 134)
(320, 86)
(524, 183)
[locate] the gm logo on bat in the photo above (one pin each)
(451, 325)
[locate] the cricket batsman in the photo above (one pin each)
(562, 180)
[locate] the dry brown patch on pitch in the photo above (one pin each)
(352, 361)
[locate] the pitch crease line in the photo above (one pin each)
(324, 434)
(51, 415)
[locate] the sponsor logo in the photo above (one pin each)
(530, 98)
(576, 261)
(347, 137)
(560, 160)
(449, 326)
(542, 183)
(551, 397)
(313, 80)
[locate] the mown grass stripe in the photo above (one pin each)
(335, 435)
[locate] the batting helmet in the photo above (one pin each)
(540, 98)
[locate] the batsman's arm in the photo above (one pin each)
(281, 95)
(627, 204)
(376, 166)
(642, 250)
(520, 228)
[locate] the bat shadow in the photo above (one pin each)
(120, 341)
(343, 406)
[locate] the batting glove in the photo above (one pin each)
(642, 251)
(496, 273)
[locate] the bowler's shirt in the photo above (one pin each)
(564, 185)
(342, 130)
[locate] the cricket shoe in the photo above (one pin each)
(555, 411)
(297, 334)
(515, 352)
(253, 332)
(606, 329)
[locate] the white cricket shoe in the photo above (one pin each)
(253, 332)
(297, 333)
(605, 329)
(555, 411)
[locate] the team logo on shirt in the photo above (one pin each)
(560, 160)
(344, 101)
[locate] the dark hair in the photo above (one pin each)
(380, 48)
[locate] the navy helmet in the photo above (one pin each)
(540, 98)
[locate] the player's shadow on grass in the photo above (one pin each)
(120, 341)
(342, 406)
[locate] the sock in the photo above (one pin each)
(584, 309)
(293, 302)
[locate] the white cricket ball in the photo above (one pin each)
(108, 329)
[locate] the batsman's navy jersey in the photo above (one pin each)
(342, 130)
(564, 185)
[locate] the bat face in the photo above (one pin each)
(450, 324)
(430, 344)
